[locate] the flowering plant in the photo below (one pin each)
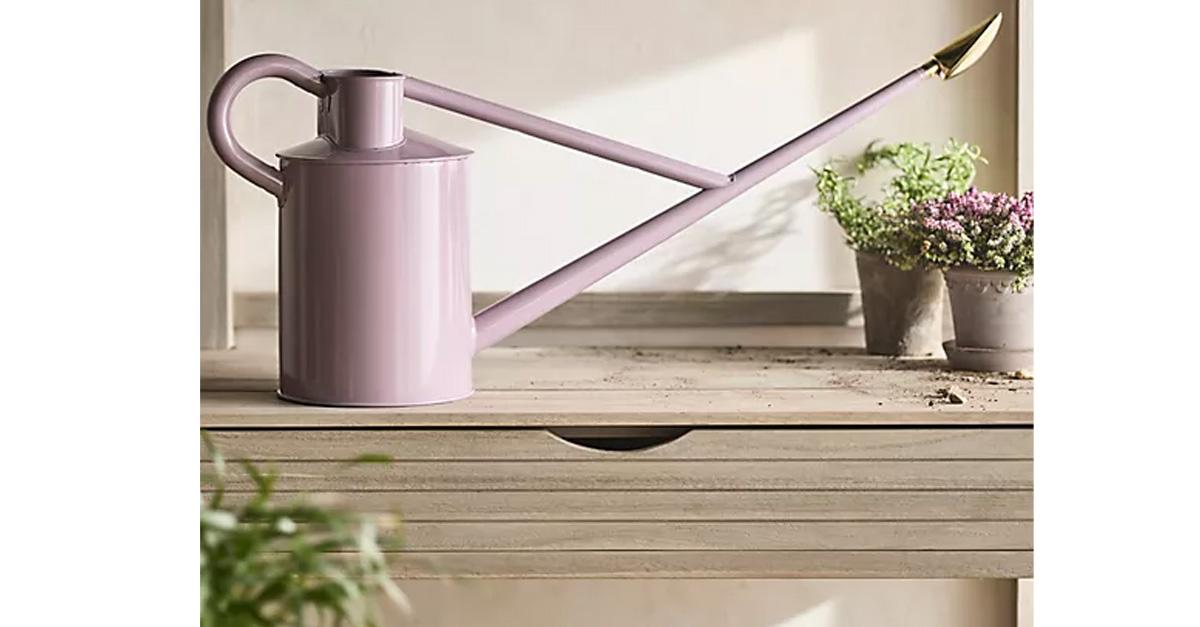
(981, 230)
(881, 227)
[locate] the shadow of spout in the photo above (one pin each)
(713, 252)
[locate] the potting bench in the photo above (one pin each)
(666, 462)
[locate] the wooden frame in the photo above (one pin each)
(1024, 600)
(216, 303)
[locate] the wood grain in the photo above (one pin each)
(621, 407)
(431, 506)
(648, 475)
(708, 536)
(715, 564)
(644, 309)
(698, 444)
(252, 367)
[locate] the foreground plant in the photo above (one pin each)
(880, 227)
(265, 564)
(978, 230)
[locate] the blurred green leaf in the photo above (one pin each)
(267, 564)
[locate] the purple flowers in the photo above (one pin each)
(973, 206)
(946, 225)
(983, 230)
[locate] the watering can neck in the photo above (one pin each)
(362, 109)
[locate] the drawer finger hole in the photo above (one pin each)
(619, 439)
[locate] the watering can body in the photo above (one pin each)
(374, 283)
(374, 286)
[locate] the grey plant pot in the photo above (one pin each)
(993, 323)
(902, 309)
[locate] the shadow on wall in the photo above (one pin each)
(712, 252)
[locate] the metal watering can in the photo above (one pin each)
(374, 294)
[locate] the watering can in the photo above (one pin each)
(374, 295)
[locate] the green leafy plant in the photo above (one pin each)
(880, 227)
(266, 564)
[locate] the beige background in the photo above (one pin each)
(766, 603)
(716, 82)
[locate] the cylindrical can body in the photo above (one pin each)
(374, 290)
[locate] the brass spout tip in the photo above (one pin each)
(955, 58)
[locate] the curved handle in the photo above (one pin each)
(226, 90)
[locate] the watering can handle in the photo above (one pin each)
(226, 90)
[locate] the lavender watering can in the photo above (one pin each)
(374, 293)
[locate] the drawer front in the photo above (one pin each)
(711, 502)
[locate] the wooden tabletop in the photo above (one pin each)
(527, 386)
(856, 466)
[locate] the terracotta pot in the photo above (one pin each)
(902, 309)
(993, 323)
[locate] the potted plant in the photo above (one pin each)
(984, 241)
(901, 296)
(263, 563)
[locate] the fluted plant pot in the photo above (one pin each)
(993, 320)
(902, 309)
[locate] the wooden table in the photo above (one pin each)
(781, 462)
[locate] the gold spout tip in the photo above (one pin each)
(960, 55)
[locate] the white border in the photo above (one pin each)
(98, 249)
(1117, 444)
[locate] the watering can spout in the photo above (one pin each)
(963, 52)
(506, 316)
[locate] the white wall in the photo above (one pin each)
(715, 82)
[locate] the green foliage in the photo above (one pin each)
(878, 226)
(264, 564)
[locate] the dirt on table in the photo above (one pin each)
(948, 396)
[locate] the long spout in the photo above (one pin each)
(506, 316)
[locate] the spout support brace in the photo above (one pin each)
(562, 134)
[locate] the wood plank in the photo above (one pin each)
(806, 336)
(647, 475)
(673, 369)
(645, 309)
(253, 367)
(715, 564)
(555, 408)
(692, 505)
(698, 444)
(713, 536)
(216, 315)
